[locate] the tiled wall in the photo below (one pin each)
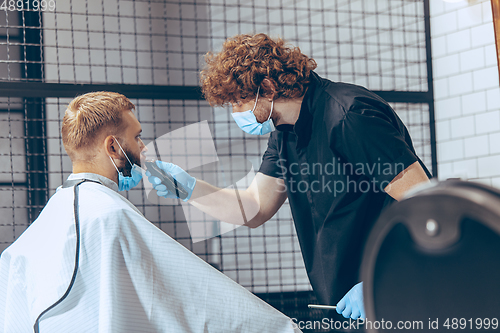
(466, 90)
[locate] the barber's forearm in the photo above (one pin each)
(408, 178)
(228, 205)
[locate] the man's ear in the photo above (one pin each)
(111, 147)
(268, 88)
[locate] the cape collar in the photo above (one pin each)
(95, 177)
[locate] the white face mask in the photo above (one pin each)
(247, 121)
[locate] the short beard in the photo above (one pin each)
(126, 170)
(259, 113)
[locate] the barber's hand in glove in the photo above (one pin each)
(181, 176)
(351, 305)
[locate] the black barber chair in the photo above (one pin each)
(432, 262)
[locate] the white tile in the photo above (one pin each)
(450, 151)
(474, 103)
(444, 24)
(489, 166)
(472, 59)
(462, 127)
(476, 146)
(465, 169)
(441, 89)
(443, 130)
(483, 35)
(438, 46)
(487, 12)
(493, 99)
(449, 6)
(494, 143)
(470, 16)
(490, 55)
(488, 122)
(446, 66)
(495, 182)
(486, 78)
(458, 41)
(445, 170)
(436, 7)
(460, 84)
(448, 108)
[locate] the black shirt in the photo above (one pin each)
(345, 148)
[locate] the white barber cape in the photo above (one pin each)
(130, 276)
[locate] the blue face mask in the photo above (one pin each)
(125, 183)
(247, 121)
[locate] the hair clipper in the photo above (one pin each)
(166, 179)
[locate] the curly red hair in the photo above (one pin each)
(235, 73)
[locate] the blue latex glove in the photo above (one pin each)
(181, 176)
(351, 305)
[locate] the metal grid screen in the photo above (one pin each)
(152, 51)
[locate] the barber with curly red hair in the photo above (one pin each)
(339, 153)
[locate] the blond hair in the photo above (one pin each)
(88, 117)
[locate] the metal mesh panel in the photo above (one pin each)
(416, 118)
(379, 44)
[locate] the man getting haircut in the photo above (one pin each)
(91, 262)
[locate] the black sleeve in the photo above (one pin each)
(374, 144)
(271, 164)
